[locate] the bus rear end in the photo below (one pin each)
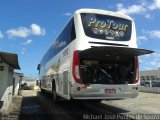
(106, 73)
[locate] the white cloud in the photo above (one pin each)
(151, 61)
(152, 33)
(155, 33)
(156, 55)
(68, 14)
(1, 35)
(134, 9)
(29, 41)
(23, 51)
(148, 16)
(139, 8)
(155, 5)
(146, 68)
(141, 38)
(23, 32)
(140, 61)
(147, 55)
(37, 30)
(119, 6)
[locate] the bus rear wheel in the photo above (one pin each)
(54, 94)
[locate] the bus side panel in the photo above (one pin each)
(65, 82)
(49, 72)
(59, 66)
(63, 73)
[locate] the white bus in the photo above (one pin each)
(95, 56)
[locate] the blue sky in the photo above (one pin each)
(28, 27)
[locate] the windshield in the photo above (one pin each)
(106, 27)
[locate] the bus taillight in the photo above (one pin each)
(136, 79)
(76, 67)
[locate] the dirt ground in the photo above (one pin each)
(30, 102)
(147, 103)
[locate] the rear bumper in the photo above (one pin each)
(105, 96)
(98, 91)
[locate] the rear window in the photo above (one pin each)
(106, 27)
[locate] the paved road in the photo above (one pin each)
(41, 107)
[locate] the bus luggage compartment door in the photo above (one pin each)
(65, 82)
(109, 50)
(110, 65)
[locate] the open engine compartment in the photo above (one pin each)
(109, 70)
(110, 65)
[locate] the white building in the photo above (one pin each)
(150, 75)
(17, 78)
(8, 62)
(29, 81)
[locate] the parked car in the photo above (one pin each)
(146, 84)
(158, 84)
(154, 84)
(24, 86)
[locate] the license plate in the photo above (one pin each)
(109, 91)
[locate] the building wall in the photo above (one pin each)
(16, 84)
(6, 79)
(3, 80)
(153, 75)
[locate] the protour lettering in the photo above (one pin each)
(101, 24)
(109, 28)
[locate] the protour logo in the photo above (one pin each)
(108, 24)
(108, 27)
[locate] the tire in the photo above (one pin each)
(56, 98)
(42, 91)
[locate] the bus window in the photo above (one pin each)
(106, 27)
(64, 38)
